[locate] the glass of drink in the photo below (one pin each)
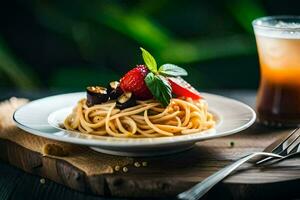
(278, 45)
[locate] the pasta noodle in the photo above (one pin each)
(146, 119)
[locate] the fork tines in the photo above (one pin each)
(289, 145)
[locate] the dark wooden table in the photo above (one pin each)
(15, 184)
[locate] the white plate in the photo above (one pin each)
(233, 116)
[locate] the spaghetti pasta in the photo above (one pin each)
(146, 119)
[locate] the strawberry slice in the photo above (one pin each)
(183, 89)
(133, 81)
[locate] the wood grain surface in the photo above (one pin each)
(166, 176)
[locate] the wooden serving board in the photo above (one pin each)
(166, 176)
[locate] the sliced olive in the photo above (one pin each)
(96, 95)
(126, 100)
(114, 90)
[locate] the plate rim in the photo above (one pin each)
(150, 141)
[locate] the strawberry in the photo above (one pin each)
(133, 81)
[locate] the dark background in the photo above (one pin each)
(66, 45)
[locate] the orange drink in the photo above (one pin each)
(278, 44)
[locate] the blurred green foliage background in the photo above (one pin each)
(66, 44)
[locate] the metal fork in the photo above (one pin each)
(286, 148)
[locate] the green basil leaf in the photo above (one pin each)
(172, 70)
(159, 87)
(149, 60)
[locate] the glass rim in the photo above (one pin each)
(275, 17)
